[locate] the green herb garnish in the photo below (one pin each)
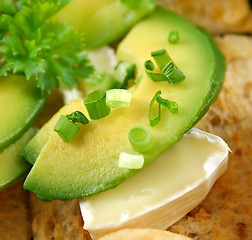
(66, 129)
(173, 37)
(130, 161)
(95, 103)
(66, 126)
(32, 45)
(77, 117)
(170, 72)
(117, 98)
(140, 138)
(170, 105)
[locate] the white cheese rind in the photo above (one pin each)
(163, 192)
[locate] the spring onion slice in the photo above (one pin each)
(95, 103)
(172, 106)
(77, 116)
(173, 37)
(130, 161)
(66, 129)
(124, 71)
(155, 121)
(173, 73)
(140, 139)
(161, 57)
(155, 77)
(117, 98)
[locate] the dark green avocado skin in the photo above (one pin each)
(219, 75)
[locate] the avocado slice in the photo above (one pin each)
(103, 21)
(19, 107)
(89, 163)
(12, 166)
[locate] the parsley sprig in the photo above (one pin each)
(32, 45)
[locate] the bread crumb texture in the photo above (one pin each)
(57, 220)
(218, 16)
(15, 222)
(226, 213)
(143, 234)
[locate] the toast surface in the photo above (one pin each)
(218, 16)
(15, 221)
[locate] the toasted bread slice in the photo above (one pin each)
(15, 221)
(143, 234)
(218, 16)
(57, 220)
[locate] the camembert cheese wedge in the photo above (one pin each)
(163, 192)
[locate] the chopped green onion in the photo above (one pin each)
(170, 72)
(77, 116)
(155, 121)
(173, 73)
(149, 65)
(173, 37)
(124, 71)
(95, 103)
(172, 106)
(130, 161)
(117, 98)
(155, 77)
(140, 139)
(161, 57)
(66, 129)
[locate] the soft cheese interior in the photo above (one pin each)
(163, 192)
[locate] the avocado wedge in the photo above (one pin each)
(89, 163)
(103, 21)
(12, 166)
(19, 107)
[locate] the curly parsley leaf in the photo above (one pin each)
(32, 45)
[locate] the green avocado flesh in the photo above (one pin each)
(89, 163)
(12, 165)
(103, 21)
(19, 107)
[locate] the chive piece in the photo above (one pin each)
(140, 139)
(77, 116)
(155, 77)
(117, 98)
(66, 129)
(95, 103)
(130, 161)
(172, 106)
(173, 37)
(149, 65)
(124, 71)
(161, 57)
(155, 121)
(173, 73)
